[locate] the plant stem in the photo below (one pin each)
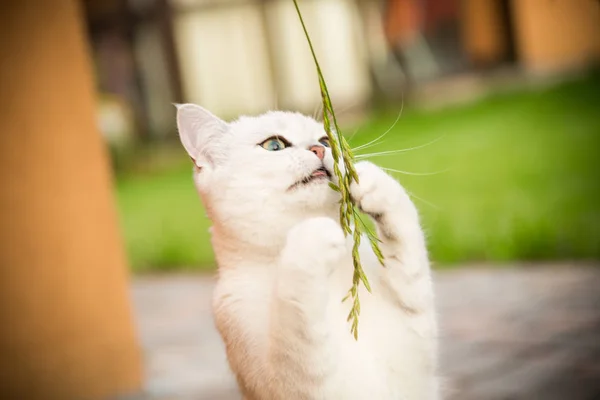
(349, 215)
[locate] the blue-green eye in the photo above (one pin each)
(325, 141)
(274, 144)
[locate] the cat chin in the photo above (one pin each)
(314, 198)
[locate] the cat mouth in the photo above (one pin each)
(318, 174)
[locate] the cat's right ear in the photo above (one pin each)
(200, 133)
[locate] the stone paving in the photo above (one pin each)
(508, 333)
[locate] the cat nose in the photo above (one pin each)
(318, 150)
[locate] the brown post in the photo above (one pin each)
(66, 328)
(484, 35)
(557, 35)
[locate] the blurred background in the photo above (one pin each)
(499, 97)
(487, 111)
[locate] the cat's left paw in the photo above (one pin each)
(376, 192)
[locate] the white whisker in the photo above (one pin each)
(374, 141)
(318, 111)
(368, 146)
(430, 204)
(354, 133)
(389, 152)
(344, 109)
(415, 173)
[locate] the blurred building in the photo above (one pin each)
(246, 56)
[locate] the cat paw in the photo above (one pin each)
(317, 240)
(376, 192)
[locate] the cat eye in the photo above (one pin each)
(325, 141)
(275, 143)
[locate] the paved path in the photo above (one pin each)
(507, 334)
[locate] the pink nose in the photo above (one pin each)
(318, 150)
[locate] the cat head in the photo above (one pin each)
(259, 175)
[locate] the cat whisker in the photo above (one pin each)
(344, 109)
(318, 111)
(368, 146)
(430, 204)
(354, 133)
(377, 139)
(389, 152)
(374, 141)
(415, 173)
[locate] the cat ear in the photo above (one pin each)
(200, 132)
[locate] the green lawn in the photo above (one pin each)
(521, 182)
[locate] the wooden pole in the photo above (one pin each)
(66, 328)
(560, 35)
(485, 38)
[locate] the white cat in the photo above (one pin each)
(285, 265)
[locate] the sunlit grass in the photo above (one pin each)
(520, 182)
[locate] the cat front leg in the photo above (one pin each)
(406, 276)
(301, 349)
